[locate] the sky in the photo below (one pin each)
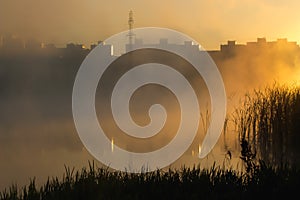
(37, 133)
(210, 22)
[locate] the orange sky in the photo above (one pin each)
(210, 22)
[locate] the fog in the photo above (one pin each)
(37, 132)
(38, 135)
(209, 22)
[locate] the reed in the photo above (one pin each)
(269, 121)
(185, 183)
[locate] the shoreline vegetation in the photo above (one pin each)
(268, 127)
(262, 181)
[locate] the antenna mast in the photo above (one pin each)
(130, 26)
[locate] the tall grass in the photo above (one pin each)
(269, 121)
(186, 183)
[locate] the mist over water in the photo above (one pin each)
(37, 131)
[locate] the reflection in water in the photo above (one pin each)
(37, 131)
